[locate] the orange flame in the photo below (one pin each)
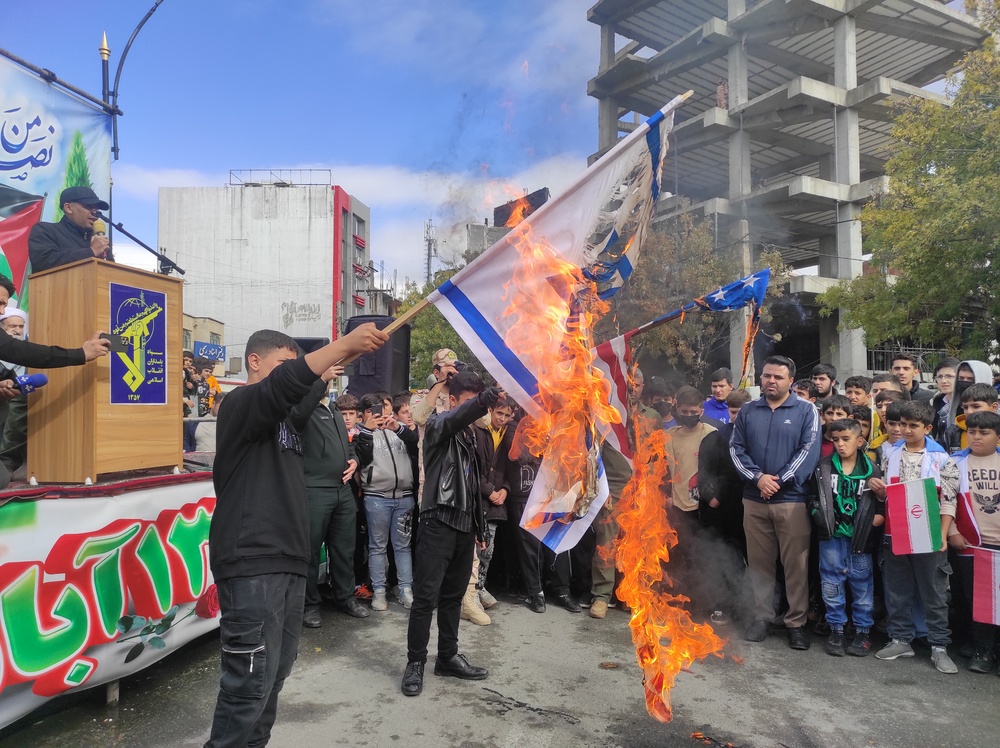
(666, 639)
(551, 312)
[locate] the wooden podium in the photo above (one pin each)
(123, 411)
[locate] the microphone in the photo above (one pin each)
(101, 229)
(28, 383)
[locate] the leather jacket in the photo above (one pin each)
(451, 476)
(821, 506)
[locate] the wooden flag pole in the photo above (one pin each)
(401, 320)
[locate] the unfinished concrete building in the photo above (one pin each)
(790, 126)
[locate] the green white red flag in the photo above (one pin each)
(914, 516)
(986, 586)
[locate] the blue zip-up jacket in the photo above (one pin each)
(717, 409)
(783, 442)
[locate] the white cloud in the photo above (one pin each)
(143, 183)
(489, 41)
(401, 200)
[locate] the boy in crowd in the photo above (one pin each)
(806, 390)
(884, 382)
(945, 374)
(387, 452)
(970, 495)
(863, 415)
(846, 513)
(348, 407)
(824, 377)
(858, 389)
(976, 398)
(722, 385)
(913, 457)
(259, 534)
(720, 492)
(907, 370)
(493, 442)
(833, 408)
(451, 523)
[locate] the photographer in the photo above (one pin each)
(386, 449)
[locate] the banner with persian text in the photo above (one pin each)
(93, 589)
(49, 140)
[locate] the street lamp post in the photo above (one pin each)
(110, 96)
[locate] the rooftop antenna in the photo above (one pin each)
(431, 243)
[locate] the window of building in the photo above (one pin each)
(187, 340)
(214, 338)
(359, 227)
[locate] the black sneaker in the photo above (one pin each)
(536, 603)
(835, 645)
(981, 661)
(861, 646)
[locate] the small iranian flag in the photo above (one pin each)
(986, 586)
(914, 516)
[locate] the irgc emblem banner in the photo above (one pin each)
(138, 364)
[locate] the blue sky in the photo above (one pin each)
(422, 109)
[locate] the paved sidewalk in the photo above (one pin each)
(546, 688)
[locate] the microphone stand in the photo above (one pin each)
(165, 263)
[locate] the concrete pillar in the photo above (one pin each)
(739, 185)
(607, 108)
(849, 355)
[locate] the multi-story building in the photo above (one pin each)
(283, 249)
(788, 131)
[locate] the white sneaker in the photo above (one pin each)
(379, 602)
(941, 660)
(406, 597)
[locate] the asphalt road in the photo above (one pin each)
(546, 688)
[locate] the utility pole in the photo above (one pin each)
(431, 243)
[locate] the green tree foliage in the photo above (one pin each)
(933, 235)
(680, 262)
(77, 170)
(430, 331)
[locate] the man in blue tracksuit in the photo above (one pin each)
(775, 447)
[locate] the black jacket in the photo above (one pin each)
(325, 446)
(492, 465)
(450, 474)
(261, 520)
(23, 353)
(821, 507)
(53, 244)
(717, 478)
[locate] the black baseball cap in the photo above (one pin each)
(83, 195)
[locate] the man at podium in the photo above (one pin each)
(53, 244)
(13, 448)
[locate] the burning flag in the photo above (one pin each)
(591, 232)
(556, 267)
(19, 211)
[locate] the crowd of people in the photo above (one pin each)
(417, 500)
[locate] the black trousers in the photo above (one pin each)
(332, 520)
(535, 556)
(442, 565)
(259, 633)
